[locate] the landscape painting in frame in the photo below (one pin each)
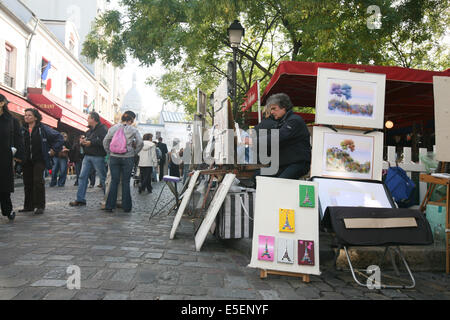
(285, 250)
(266, 248)
(350, 99)
(347, 156)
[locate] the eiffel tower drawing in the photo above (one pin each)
(286, 223)
(266, 252)
(306, 258)
(286, 255)
(307, 200)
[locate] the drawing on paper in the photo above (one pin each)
(351, 98)
(349, 156)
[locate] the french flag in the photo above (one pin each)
(44, 76)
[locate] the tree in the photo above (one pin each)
(190, 38)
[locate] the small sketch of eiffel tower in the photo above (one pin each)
(286, 255)
(307, 200)
(286, 223)
(266, 252)
(306, 257)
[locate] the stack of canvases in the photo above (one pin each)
(354, 101)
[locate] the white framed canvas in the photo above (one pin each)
(352, 193)
(273, 249)
(347, 154)
(213, 209)
(186, 197)
(350, 99)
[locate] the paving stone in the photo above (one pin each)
(116, 296)
(32, 294)
(124, 275)
(60, 294)
(123, 265)
(118, 285)
(49, 283)
(191, 291)
(393, 293)
(232, 293)
(331, 296)
(12, 283)
(90, 294)
(154, 255)
(269, 295)
(236, 282)
(8, 294)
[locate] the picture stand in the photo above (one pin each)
(264, 272)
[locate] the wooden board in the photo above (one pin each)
(186, 197)
(263, 274)
(273, 194)
(213, 209)
(441, 88)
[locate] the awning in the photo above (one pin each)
(409, 92)
(18, 105)
(58, 108)
(106, 122)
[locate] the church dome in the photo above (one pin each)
(132, 100)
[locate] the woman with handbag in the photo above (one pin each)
(41, 143)
(11, 149)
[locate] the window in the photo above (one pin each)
(69, 85)
(9, 76)
(85, 103)
(72, 44)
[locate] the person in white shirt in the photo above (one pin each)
(147, 161)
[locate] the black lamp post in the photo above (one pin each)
(235, 33)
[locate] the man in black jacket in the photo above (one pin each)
(94, 156)
(163, 147)
(294, 138)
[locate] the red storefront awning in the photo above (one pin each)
(409, 92)
(106, 122)
(58, 108)
(19, 105)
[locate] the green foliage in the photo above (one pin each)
(190, 38)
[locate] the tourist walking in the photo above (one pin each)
(147, 161)
(123, 142)
(163, 147)
(94, 156)
(11, 149)
(76, 157)
(60, 163)
(41, 143)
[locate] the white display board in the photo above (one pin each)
(224, 139)
(441, 88)
(347, 154)
(273, 194)
(213, 209)
(350, 98)
(351, 193)
(186, 197)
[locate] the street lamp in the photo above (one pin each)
(235, 34)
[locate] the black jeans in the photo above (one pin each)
(146, 178)
(6, 204)
(161, 168)
(34, 185)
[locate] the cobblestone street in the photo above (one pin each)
(126, 256)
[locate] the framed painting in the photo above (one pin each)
(350, 99)
(347, 154)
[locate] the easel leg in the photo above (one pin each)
(263, 274)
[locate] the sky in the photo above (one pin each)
(153, 102)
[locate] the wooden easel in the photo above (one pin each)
(264, 272)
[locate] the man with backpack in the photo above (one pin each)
(94, 156)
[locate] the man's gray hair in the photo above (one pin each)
(280, 99)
